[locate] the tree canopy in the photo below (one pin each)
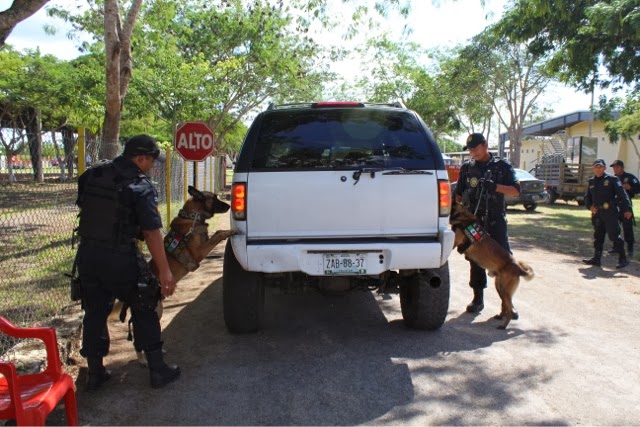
(580, 38)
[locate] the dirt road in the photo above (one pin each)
(572, 358)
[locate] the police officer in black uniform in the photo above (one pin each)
(632, 186)
(606, 198)
(118, 205)
(483, 182)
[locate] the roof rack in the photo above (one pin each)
(274, 106)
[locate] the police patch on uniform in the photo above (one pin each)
(473, 182)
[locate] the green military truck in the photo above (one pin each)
(568, 180)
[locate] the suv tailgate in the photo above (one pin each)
(331, 204)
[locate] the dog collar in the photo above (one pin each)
(196, 216)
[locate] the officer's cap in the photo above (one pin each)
(142, 145)
(599, 162)
(475, 139)
(617, 163)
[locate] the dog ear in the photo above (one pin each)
(197, 195)
(219, 206)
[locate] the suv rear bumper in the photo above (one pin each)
(307, 257)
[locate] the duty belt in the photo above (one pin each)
(128, 246)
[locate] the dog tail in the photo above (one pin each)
(525, 271)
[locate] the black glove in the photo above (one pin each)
(488, 185)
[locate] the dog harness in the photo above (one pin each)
(176, 243)
(474, 233)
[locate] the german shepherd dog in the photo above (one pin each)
(188, 242)
(477, 246)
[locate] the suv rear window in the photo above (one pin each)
(341, 138)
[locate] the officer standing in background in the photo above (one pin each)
(118, 206)
(606, 198)
(632, 187)
(483, 182)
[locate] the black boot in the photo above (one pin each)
(98, 375)
(630, 249)
(595, 260)
(160, 373)
(477, 304)
(622, 260)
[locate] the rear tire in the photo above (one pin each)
(425, 304)
(553, 196)
(242, 296)
(530, 207)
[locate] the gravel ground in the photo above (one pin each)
(572, 358)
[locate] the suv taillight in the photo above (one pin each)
(444, 197)
(239, 201)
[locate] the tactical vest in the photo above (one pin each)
(471, 194)
(105, 216)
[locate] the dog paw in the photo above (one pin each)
(228, 233)
(502, 327)
(514, 316)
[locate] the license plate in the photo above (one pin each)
(350, 263)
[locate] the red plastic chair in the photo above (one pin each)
(28, 399)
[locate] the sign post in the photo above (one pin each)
(194, 141)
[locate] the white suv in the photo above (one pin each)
(339, 196)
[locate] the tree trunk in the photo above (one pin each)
(68, 142)
(59, 158)
(34, 140)
(12, 176)
(19, 11)
(118, 70)
(111, 127)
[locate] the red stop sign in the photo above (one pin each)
(194, 141)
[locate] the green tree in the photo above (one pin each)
(628, 124)
(515, 79)
(590, 43)
(37, 91)
(580, 37)
(218, 64)
(398, 76)
(466, 85)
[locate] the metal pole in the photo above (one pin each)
(195, 174)
(184, 180)
(167, 182)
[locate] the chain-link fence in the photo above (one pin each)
(36, 225)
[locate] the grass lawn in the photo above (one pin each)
(561, 227)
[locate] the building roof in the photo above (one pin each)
(551, 126)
